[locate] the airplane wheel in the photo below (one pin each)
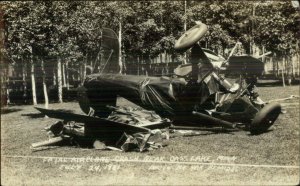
(265, 118)
(190, 37)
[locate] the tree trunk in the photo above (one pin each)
(7, 92)
(84, 70)
(289, 69)
(297, 60)
(263, 52)
(282, 72)
(79, 74)
(67, 76)
(24, 74)
(283, 64)
(293, 66)
(252, 44)
(185, 18)
(124, 65)
(166, 62)
(44, 85)
(283, 80)
(54, 77)
(273, 66)
(59, 81)
(33, 88)
(277, 67)
(64, 75)
(138, 65)
(298, 64)
(120, 47)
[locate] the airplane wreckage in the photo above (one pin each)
(195, 97)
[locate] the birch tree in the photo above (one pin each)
(19, 31)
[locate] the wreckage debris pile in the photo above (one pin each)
(133, 116)
(73, 133)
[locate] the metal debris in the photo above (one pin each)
(76, 133)
(283, 99)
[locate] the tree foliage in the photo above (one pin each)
(71, 30)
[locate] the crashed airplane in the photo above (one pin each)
(197, 96)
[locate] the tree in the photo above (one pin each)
(276, 30)
(118, 12)
(19, 45)
(222, 19)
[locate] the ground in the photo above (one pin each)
(234, 158)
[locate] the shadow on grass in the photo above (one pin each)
(65, 110)
(275, 83)
(34, 115)
(9, 110)
(269, 130)
(269, 84)
(40, 115)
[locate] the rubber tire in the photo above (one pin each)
(190, 37)
(265, 118)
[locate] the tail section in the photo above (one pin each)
(109, 52)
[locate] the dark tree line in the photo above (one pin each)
(61, 39)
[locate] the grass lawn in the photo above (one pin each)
(234, 158)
